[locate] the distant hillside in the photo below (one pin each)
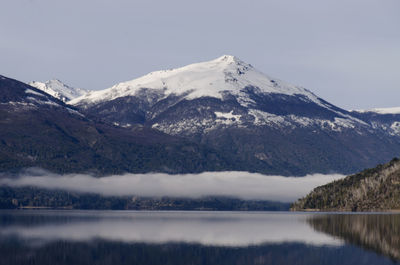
(375, 189)
(38, 130)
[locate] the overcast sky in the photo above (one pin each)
(345, 51)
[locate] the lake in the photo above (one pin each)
(137, 237)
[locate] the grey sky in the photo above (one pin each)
(345, 51)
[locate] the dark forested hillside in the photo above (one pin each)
(375, 189)
(37, 130)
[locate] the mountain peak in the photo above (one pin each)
(58, 89)
(228, 59)
(215, 78)
(55, 81)
(230, 62)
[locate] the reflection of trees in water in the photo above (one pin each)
(377, 232)
(119, 253)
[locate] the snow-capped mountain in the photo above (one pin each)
(224, 79)
(394, 110)
(226, 74)
(59, 90)
(267, 124)
(384, 119)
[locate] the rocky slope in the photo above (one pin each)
(272, 126)
(375, 189)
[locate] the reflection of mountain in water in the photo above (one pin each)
(103, 252)
(124, 237)
(378, 232)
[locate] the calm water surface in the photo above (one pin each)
(124, 237)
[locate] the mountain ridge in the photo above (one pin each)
(59, 90)
(38, 130)
(257, 123)
(390, 110)
(275, 127)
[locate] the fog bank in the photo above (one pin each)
(243, 185)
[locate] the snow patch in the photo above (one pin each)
(193, 126)
(227, 117)
(265, 118)
(15, 103)
(395, 128)
(47, 102)
(345, 123)
(72, 111)
(302, 121)
(30, 91)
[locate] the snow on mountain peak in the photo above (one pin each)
(206, 79)
(59, 90)
(394, 110)
(229, 59)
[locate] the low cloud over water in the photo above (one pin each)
(234, 184)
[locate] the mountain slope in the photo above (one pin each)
(375, 189)
(386, 120)
(38, 130)
(272, 126)
(59, 90)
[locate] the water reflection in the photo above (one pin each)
(378, 232)
(112, 237)
(207, 228)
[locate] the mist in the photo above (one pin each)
(244, 185)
